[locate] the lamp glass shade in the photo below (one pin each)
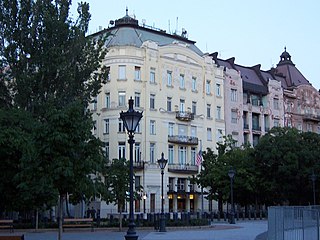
(162, 162)
(231, 173)
(131, 118)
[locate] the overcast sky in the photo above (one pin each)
(252, 31)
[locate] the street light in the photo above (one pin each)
(162, 163)
(131, 119)
(231, 174)
(313, 179)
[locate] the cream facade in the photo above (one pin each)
(181, 93)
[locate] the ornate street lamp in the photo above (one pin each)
(131, 120)
(313, 179)
(162, 164)
(231, 174)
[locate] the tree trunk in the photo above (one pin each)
(120, 218)
(37, 220)
(67, 207)
(60, 217)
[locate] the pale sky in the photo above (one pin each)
(252, 31)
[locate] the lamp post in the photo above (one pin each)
(162, 163)
(313, 179)
(131, 119)
(231, 174)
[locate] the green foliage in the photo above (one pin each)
(214, 174)
(50, 69)
(285, 159)
(70, 155)
(16, 148)
(117, 181)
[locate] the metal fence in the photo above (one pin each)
(293, 223)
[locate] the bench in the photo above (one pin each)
(6, 224)
(77, 222)
(12, 237)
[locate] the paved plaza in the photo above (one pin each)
(247, 230)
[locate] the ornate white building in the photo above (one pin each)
(181, 93)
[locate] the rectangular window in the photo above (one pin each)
(208, 89)
(152, 202)
(276, 123)
(121, 127)
(94, 130)
(209, 134)
(182, 130)
(169, 78)
(169, 104)
(219, 135)
(108, 74)
(234, 116)
(122, 98)
(182, 82)
(137, 152)
(138, 129)
(170, 154)
(182, 155)
(193, 155)
(194, 84)
(106, 126)
(194, 108)
(106, 151)
(193, 131)
(137, 99)
(137, 73)
(208, 110)
(171, 129)
(218, 90)
(107, 100)
(122, 72)
(234, 95)
(182, 105)
(152, 101)
(276, 103)
(152, 152)
(152, 127)
(152, 75)
(309, 127)
(255, 100)
(181, 184)
(121, 150)
(218, 113)
(94, 103)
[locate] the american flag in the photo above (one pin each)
(199, 158)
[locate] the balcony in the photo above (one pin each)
(188, 140)
(138, 165)
(183, 168)
(184, 116)
(311, 117)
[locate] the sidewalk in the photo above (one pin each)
(248, 230)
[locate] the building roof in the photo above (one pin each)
(253, 80)
(292, 77)
(127, 32)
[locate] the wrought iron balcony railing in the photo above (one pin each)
(184, 116)
(188, 140)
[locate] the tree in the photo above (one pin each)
(55, 71)
(285, 159)
(117, 181)
(214, 174)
